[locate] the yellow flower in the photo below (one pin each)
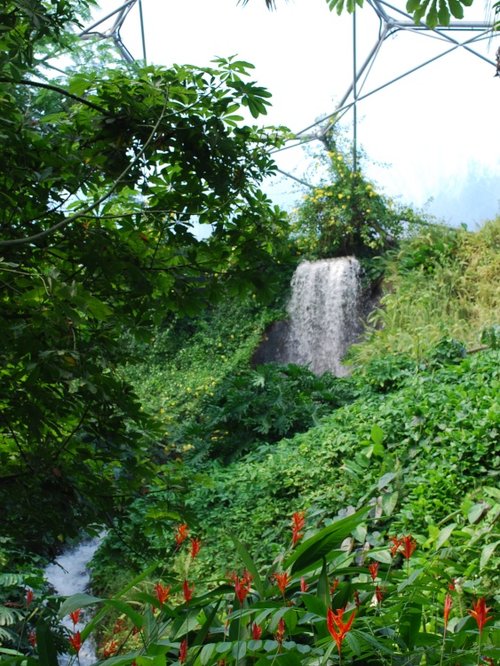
(340, 195)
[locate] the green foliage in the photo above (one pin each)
(187, 363)
(442, 283)
(439, 432)
(346, 215)
(393, 596)
(432, 12)
(105, 174)
(264, 404)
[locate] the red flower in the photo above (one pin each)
(162, 592)
(396, 543)
(282, 580)
(109, 649)
(29, 597)
(75, 616)
(448, 603)
(195, 547)
(409, 544)
(242, 585)
(480, 613)
(303, 585)
(119, 625)
(451, 585)
(76, 641)
(379, 594)
(256, 631)
(32, 638)
(183, 650)
(298, 524)
(373, 569)
(334, 586)
(188, 591)
(280, 631)
(337, 627)
(181, 534)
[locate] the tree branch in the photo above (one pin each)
(61, 91)
(72, 218)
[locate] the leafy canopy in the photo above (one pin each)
(106, 176)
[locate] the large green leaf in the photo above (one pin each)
(329, 538)
(46, 647)
(78, 600)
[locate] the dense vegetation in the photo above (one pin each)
(130, 396)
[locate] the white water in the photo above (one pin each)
(69, 575)
(325, 313)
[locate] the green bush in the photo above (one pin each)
(441, 284)
(264, 405)
(345, 214)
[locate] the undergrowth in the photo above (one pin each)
(442, 283)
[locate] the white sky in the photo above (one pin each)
(437, 131)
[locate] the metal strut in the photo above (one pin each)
(390, 25)
(113, 32)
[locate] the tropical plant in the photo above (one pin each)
(441, 283)
(105, 175)
(345, 214)
(347, 593)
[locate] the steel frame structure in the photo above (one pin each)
(389, 25)
(391, 21)
(113, 33)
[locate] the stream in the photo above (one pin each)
(69, 575)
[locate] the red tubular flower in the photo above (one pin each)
(280, 631)
(76, 641)
(480, 613)
(187, 591)
(448, 603)
(183, 650)
(303, 585)
(110, 649)
(241, 585)
(396, 543)
(162, 592)
(181, 534)
(75, 616)
(256, 631)
(379, 594)
(195, 547)
(282, 580)
(373, 569)
(119, 625)
(29, 597)
(409, 544)
(337, 627)
(298, 524)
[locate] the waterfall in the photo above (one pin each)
(325, 312)
(69, 575)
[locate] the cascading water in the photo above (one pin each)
(325, 312)
(69, 575)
